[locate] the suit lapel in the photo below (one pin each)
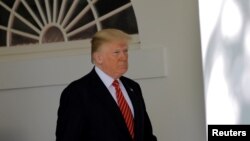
(133, 95)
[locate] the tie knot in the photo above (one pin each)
(115, 83)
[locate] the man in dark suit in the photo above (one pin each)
(104, 105)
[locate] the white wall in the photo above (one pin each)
(175, 103)
(173, 90)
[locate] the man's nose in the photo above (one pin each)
(124, 55)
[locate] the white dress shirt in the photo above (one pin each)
(107, 80)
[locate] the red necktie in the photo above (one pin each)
(125, 110)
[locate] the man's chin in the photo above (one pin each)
(123, 71)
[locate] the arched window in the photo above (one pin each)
(24, 22)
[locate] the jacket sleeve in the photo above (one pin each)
(71, 118)
(148, 135)
(148, 129)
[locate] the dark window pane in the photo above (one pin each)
(4, 17)
(19, 25)
(3, 38)
(9, 3)
(20, 40)
(79, 7)
(88, 17)
(88, 33)
(105, 6)
(26, 15)
(124, 20)
(34, 8)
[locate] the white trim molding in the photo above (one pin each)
(55, 68)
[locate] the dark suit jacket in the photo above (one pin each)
(88, 112)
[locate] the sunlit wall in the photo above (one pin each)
(225, 36)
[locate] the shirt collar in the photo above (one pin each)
(106, 79)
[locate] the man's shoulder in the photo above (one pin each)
(80, 82)
(130, 81)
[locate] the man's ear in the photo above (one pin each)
(98, 57)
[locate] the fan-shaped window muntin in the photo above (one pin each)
(46, 21)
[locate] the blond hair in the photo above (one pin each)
(105, 36)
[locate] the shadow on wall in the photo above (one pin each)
(11, 135)
(226, 62)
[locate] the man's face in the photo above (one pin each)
(113, 58)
